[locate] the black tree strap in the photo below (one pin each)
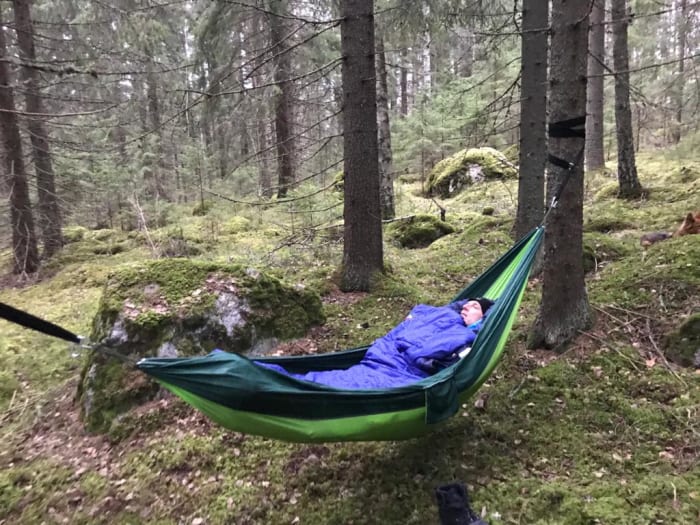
(30, 321)
(563, 129)
(33, 322)
(573, 127)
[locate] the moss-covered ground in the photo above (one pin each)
(607, 432)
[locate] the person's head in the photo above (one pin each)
(474, 310)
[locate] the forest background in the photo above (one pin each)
(125, 121)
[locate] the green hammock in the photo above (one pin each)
(239, 395)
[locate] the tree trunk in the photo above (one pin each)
(564, 309)
(466, 57)
(386, 169)
(403, 82)
(630, 188)
(362, 251)
(533, 117)
(49, 212)
(682, 24)
(158, 166)
(595, 153)
(283, 104)
(24, 245)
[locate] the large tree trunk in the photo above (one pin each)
(24, 245)
(682, 25)
(386, 169)
(362, 251)
(595, 152)
(533, 116)
(630, 188)
(564, 309)
(283, 104)
(49, 210)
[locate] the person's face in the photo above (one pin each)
(471, 312)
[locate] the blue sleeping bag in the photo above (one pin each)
(426, 341)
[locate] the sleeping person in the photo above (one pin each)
(428, 340)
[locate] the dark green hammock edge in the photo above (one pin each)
(239, 395)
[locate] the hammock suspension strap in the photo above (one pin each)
(565, 129)
(22, 318)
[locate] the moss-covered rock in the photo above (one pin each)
(339, 182)
(466, 167)
(418, 231)
(236, 224)
(202, 208)
(599, 249)
(176, 307)
(682, 345)
(74, 234)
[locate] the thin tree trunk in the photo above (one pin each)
(386, 169)
(533, 116)
(48, 208)
(283, 107)
(403, 82)
(24, 246)
(362, 251)
(157, 167)
(595, 154)
(629, 186)
(682, 24)
(466, 58)
(564, 309)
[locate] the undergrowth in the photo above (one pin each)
(607, 432)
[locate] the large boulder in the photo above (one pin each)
(682, 345)
(451, 175)
(179, 307)
(417, 231)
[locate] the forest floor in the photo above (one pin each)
(606, 431)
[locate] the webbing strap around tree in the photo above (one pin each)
(564, 129)
(22, 318)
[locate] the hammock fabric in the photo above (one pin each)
(242, 396)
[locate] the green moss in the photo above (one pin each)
(682, 345)
(74, 234)
(109, 248)
(606, 224)
(202, 208)
(453, 173)
(236, 225)
(600, 249)
(418, 231)
(607, 191)
(8, 386)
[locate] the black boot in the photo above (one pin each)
(453, 506)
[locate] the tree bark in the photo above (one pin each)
(24, 246)
(403, 82)
(533, 116)
(283, 104)
(595, 152)
(386, 169)
(629, 186)
(682, 24)
(362, 250)
(49, 212)
(564, 309)
(466, 58)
